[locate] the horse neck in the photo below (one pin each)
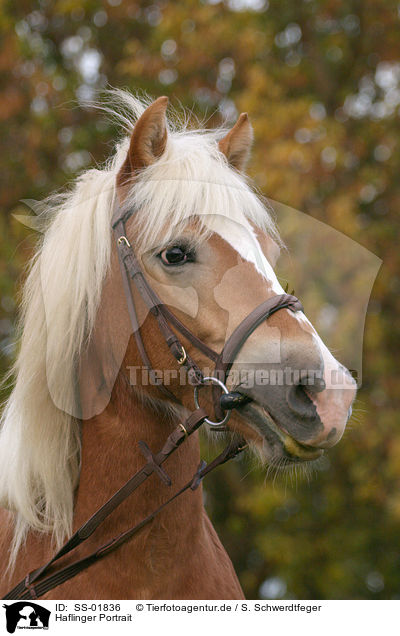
(110, 456)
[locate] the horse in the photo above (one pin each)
(89, 386)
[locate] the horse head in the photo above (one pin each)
(207, 246)
(196, 246)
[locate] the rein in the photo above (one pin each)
(47, 577)
(34, 586)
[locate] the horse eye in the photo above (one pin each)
(176, 255)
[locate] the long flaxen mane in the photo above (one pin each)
(40, 427)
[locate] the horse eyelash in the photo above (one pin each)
(183, 244)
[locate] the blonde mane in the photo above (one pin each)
(40, 427)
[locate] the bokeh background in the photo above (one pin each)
(321, 81)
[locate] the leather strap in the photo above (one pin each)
(157, 308)
(199, 344)
(34, 586)
(136, 329)
(173, 441)
(239, 336)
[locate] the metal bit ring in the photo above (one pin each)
(211, 380)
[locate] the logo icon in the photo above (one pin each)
(26, 615)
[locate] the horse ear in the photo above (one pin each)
(236, 145)
(148, 141)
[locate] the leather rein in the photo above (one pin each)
(47, 577)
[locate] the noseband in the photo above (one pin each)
(131, 269)
(45, 578)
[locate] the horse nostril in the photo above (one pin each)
(312, 382)
(298, 401)
(298, 396)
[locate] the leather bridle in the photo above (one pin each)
(45, 578)
(131, 269)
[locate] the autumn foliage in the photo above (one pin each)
(320, 80)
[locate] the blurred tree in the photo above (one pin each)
(321, 81)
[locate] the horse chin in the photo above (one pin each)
(276, 443)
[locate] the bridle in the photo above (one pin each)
(131, 269)
(36, 584)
